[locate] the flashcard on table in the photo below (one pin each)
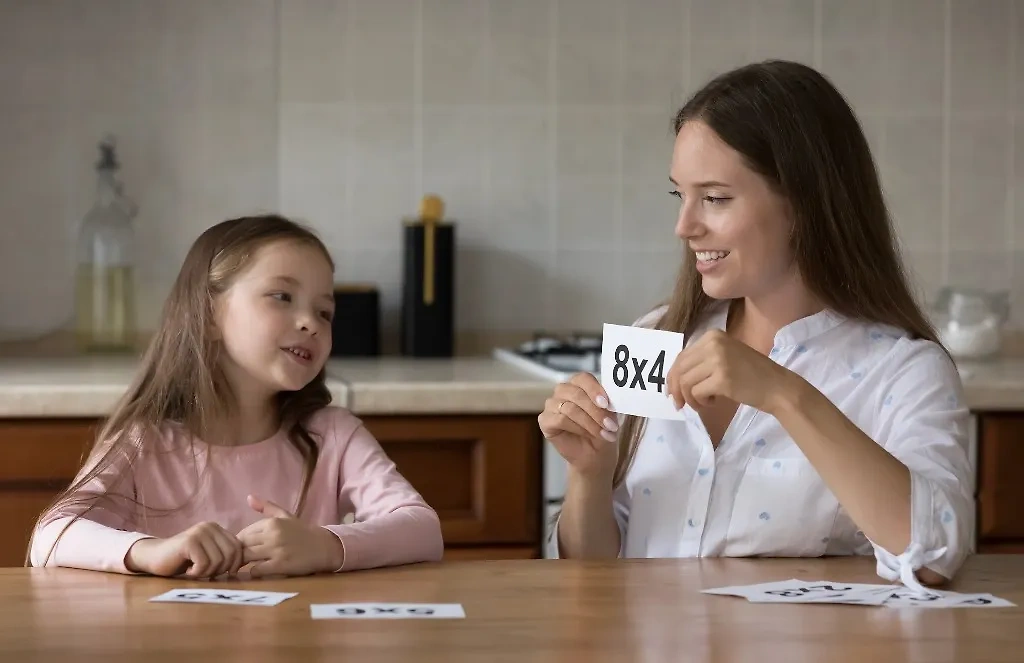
(223, 597)
(387, 611)
(826, 591)
(634, 370)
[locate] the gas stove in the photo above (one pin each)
(556, 358)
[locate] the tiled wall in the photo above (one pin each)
(543, 123)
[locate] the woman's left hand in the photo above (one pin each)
(718, 365)
(281, 544)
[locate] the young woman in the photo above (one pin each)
(822, 415)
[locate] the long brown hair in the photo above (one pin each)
(180, 380)
(797, 131)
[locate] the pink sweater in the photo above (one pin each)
(393, 525)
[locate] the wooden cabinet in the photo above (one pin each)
(1001, 482)
(480, 473)
(38, 458)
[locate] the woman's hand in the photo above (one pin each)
(717, 365)
(281, 544)
(205, 550)
(577, 422)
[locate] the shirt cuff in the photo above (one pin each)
(344, 552)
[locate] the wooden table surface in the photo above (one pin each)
(531, 610)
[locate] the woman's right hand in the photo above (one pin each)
(577, 422)
(206, 550)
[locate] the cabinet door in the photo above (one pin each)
(1001, 482)
(481, 474)
(38, 457)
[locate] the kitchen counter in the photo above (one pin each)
(463, 385)
(89, 386)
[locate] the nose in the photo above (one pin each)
(688, 223)
(306, 322)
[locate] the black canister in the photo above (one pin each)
(356, 323)
(428, 283)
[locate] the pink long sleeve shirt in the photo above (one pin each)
(392, 523)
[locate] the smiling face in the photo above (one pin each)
(274, 321)
(735, 223)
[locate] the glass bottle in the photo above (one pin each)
(105, 287)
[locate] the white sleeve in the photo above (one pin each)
(923, 423)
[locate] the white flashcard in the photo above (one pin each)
(387, 611)
(826, 591)
(223, 597)
(634, 370)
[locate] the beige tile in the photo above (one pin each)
(587, 141)
(589, 19)
(981, 55)
(454, 51)
(521, 175)
(1018, 65)
(780, 21)
(987, 270)
(382, 167)
(521, 70)
(456, 141)
(588, 71)
(648, 212)
(214, 52)
(715, 20)
(1017, 289)
(381, 51)
(647, 280)
(915, 45)
(1017, 185)
(584, 289)
(523, 18)
(795, 50)
(912, 177)
(925, 270)
(313, 166)
(313, 38)
(587, 211)
(858, 71)
(712, 57)
(503, 290)
(35, 48)
(978, 183)
(844, 21)
(654, 53)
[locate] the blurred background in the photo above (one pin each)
(544, 125)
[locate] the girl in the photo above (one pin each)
(224, 451)
(822, 417)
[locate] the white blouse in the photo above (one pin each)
(757, 494)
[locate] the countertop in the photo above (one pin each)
(89, 386)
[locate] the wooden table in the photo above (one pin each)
(533, 610)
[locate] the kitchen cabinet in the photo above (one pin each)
(480, 473)
(1000, 492)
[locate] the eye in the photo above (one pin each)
(676, 194)
(716, 200)
(281, 296)
(327, 315)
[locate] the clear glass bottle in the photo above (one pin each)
(105, 278)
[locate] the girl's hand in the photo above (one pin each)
(205, 550)
(720, 366)
(575, 420)
(281, 544)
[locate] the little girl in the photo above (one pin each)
(224, 451)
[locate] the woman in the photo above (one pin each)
(822, 415)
